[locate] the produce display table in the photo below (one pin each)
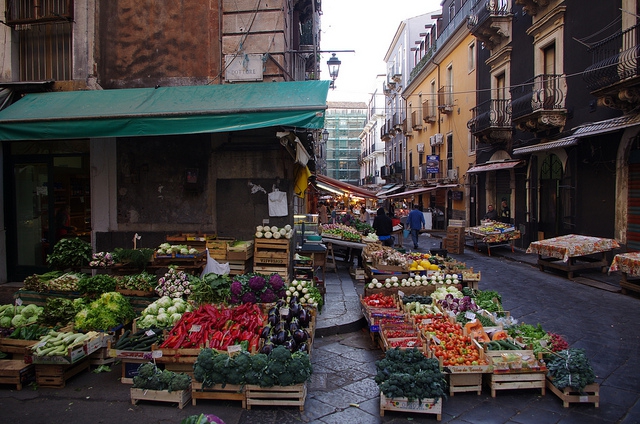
(629, 265)
(492, 238)
(354, 245)
(570, 253)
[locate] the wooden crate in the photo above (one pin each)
(240, 251)
(181, 397)
(276, 395)
(217, 392)
(272, 256)
(239, 267)
(465, 382)
(178, 360)
(425, 406)
(15, 371)
(16, 347)
(56, 376)
(130, 369)
(218, 248)
(590, 394)
(512, 381)
(101, 357)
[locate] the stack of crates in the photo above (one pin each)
(454, 240)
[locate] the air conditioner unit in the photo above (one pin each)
(420, 147)
(436, 139)
(452, 174)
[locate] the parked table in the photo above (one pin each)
(572, 252)
(629, 265)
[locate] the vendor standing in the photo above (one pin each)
(491, 214)
(384, 227)
(505, 212)
(323, 217)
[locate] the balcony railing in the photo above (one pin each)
(490, 21)
(541, 93)
(494, 113)
(429, 111)
(445, 98)
(614, 59)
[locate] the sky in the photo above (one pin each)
(368, 27)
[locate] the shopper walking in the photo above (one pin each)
(383, 226)
(416, 222)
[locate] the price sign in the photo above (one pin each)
(435, 339)
(284, 311)
(149, 333)
(400, 293)
(194, 328)
(234, 348)
(18, 302)
(156, 354)
(427, 321)
(470, 316)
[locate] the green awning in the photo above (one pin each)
(165, 110)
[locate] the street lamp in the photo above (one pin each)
(334, 67)
(325, 135)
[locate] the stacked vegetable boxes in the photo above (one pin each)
(15, 371)
(272, 256)
(276, 396)
(516, 369)
(181, 397)
(218, 248)
(568, 395)
(233, 392)
(424, 406)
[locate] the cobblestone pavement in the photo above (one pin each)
(593, 316)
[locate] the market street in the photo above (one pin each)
(342, 388)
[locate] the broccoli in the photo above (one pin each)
(280, 354)
(166, 377)
(180, 381)
(147, 371)
(285, 379)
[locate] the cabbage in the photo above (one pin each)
(164, 302)
(259, 228)
(8, 312)
(161, 311)
(268, 234)
(287, 227)
(277, 235)
(5, 322)
(283, 231)
(29, 311)
(274, 229)
(18, 321)
(175, 318)
(32, 319)
(148, 322)
(151, 310)
(184, 251)
(163, 320)
(259, 234)
(172, 310)
(181, 307)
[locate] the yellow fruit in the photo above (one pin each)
(433, 267)
(420, 268)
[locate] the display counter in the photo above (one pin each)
(629, 265)
(573, 252)
(491, 238)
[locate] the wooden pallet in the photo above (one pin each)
(15, 371)
(16, 347)
(511, 381)
(276, 395)
(101, 357)
(590, 394)
(426, 406)
(179, 360)
(465, 382)
(181, 397)
(217, 392)
(239, 267)
(56, 376)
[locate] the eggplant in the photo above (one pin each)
(303, 347)
(273, 320)
(293, 325)
(273, 310)
(291, 345)
(295, 309)
(281, 337)
(280, 326)
(280, 303)
(303, 318)
(266, 348)
(294, 299)
(300, 336)
(266, 332)
(273, 339)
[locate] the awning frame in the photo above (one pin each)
(494, 166)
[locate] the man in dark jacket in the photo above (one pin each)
(383, 226)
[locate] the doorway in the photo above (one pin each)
(36, 188)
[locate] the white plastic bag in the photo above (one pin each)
(278, 203)
(215, 267)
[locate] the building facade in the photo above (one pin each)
(372, 148)
(344, 121)
(104, 90)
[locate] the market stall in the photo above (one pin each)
(573, 252)
(629, 265)
(493, 234)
